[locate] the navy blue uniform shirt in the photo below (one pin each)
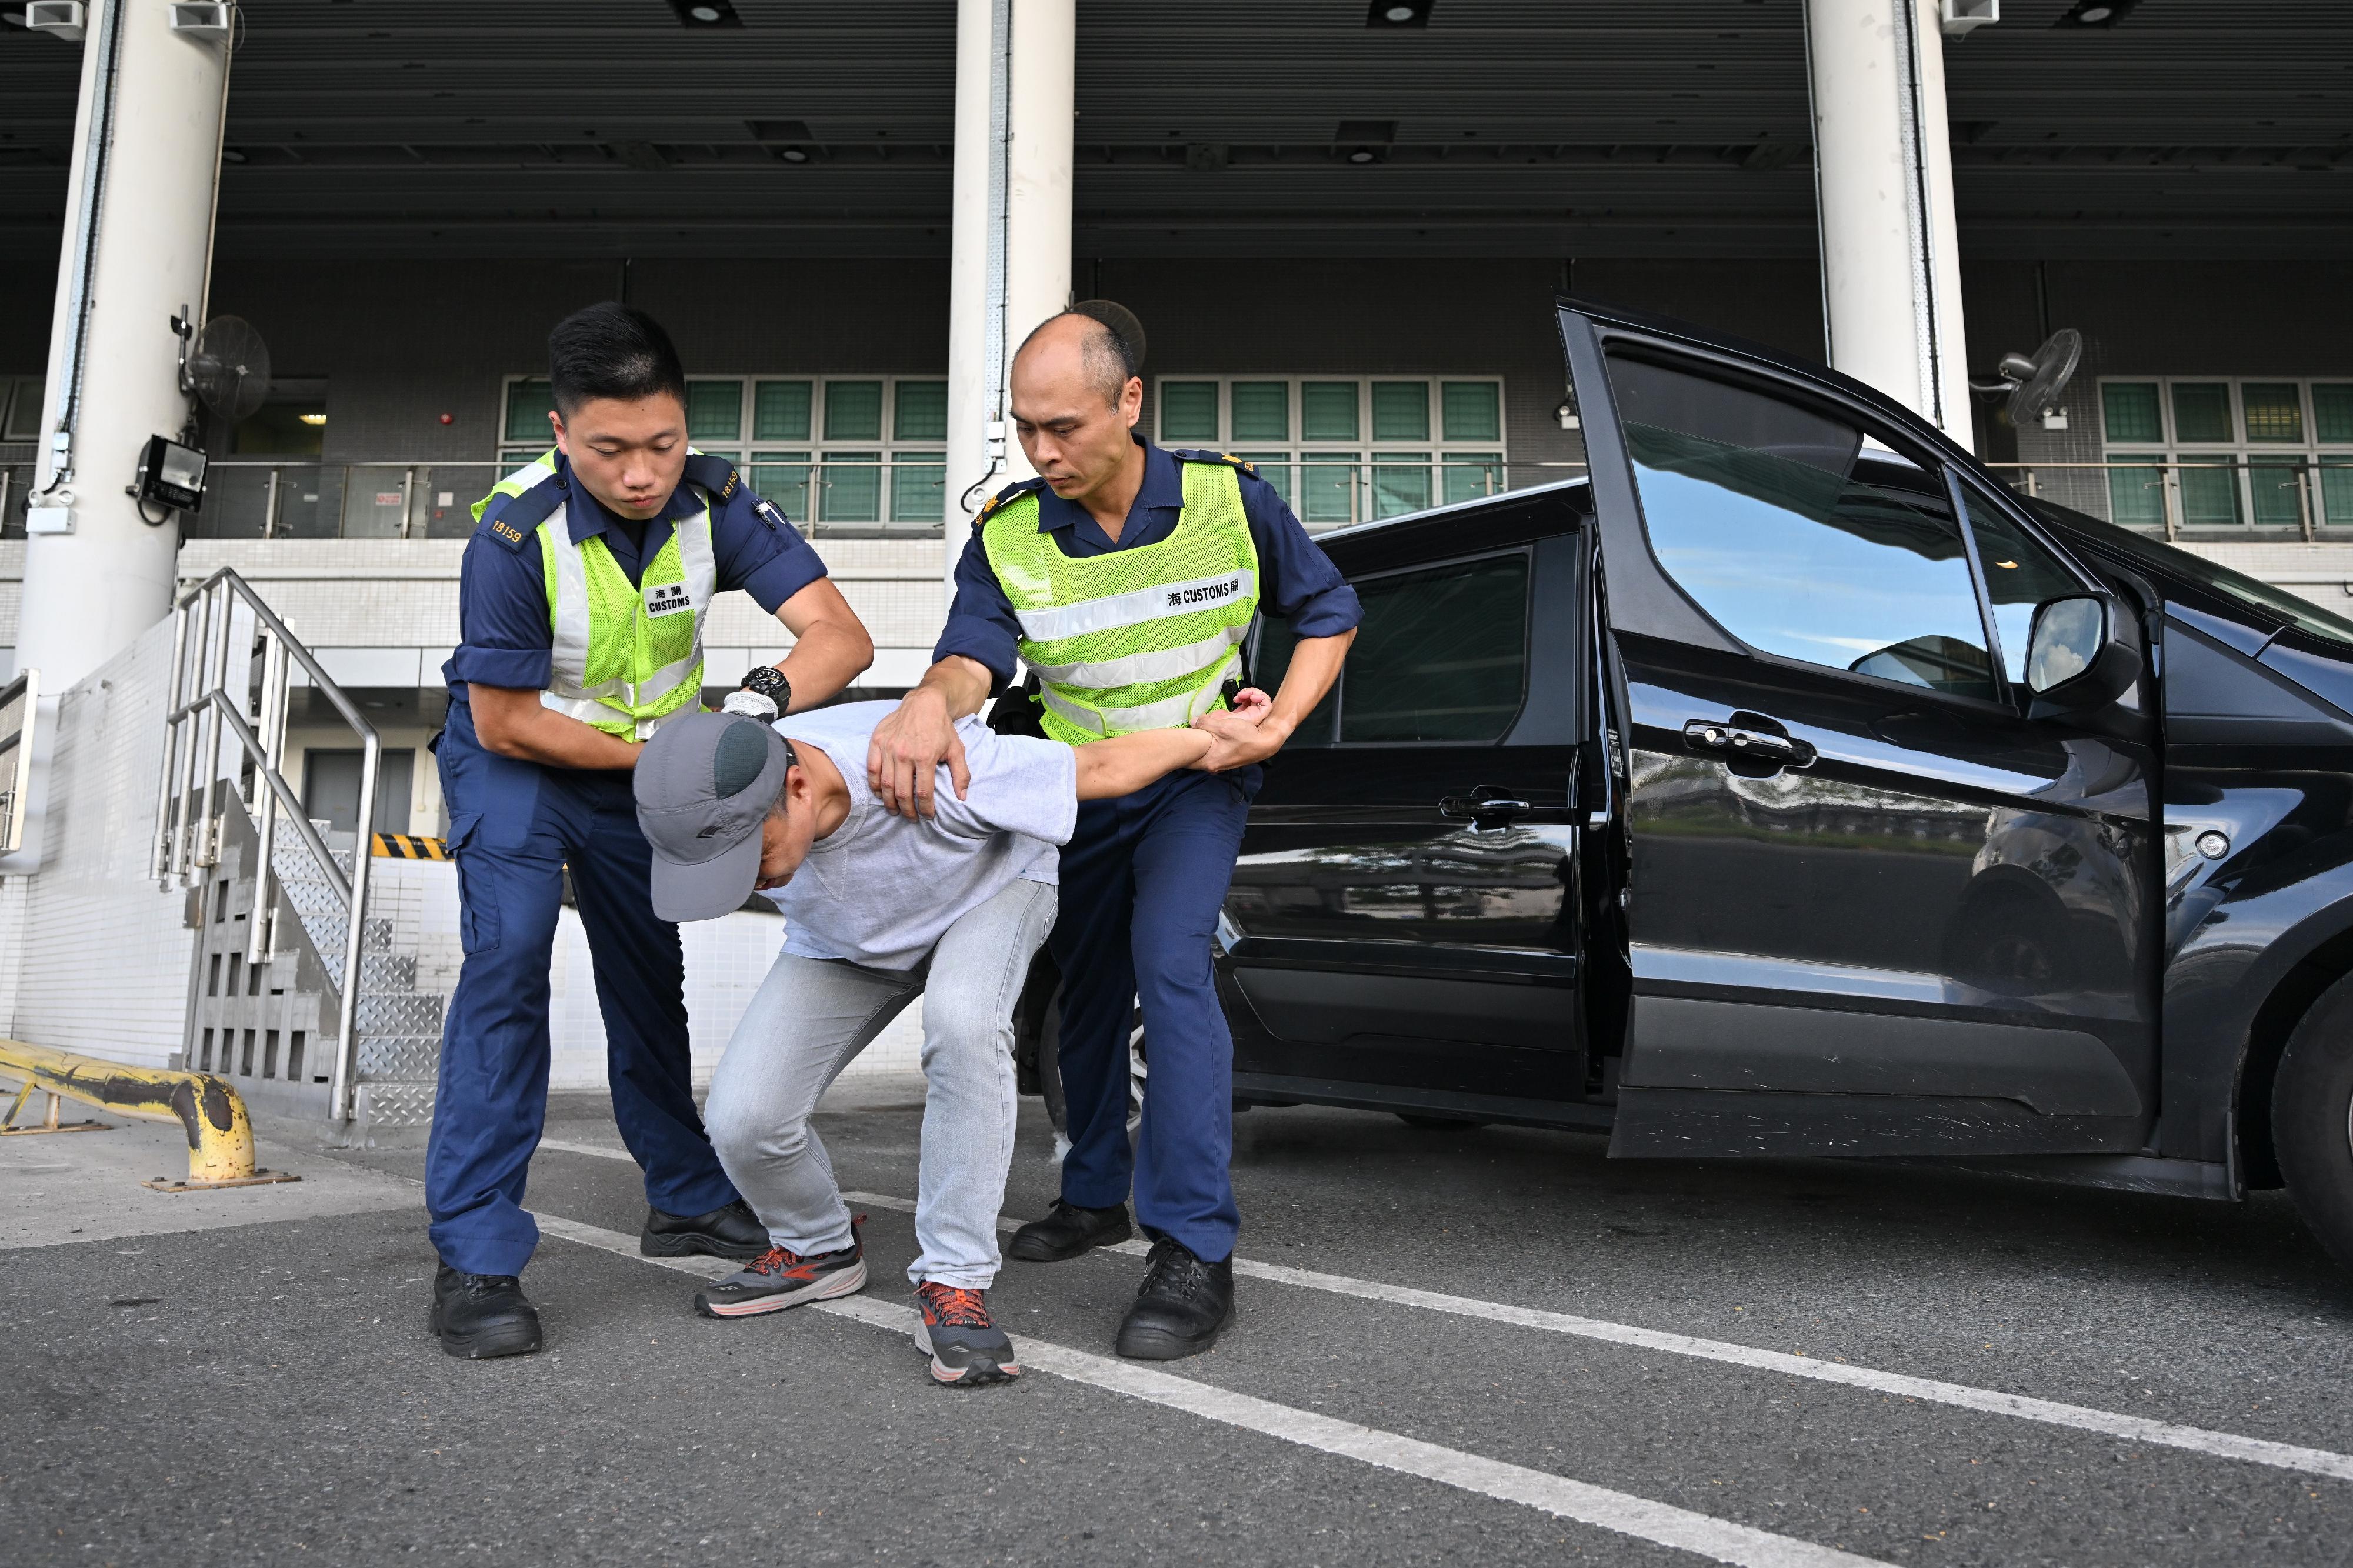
(1296, 581)
(502, 625)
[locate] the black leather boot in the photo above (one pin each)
(1068, 1231)
(731, 1232)
(1180, 1307)
(480, 1315)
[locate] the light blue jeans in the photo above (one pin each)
(813, 1014)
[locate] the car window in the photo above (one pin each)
(1799, 535)
(2020, 574)
(1441, 654)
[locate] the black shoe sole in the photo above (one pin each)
(1159, 1344)
(506, 1339)
(695, 1244)
(1029, 1249)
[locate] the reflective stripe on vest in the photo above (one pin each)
(1140, 638)
(679, 581)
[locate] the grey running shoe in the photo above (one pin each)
(966, 1348)
(780, 1278)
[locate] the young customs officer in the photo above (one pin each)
(1126, 578)
(582, 602)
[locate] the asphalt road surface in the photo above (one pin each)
(1489, 1346)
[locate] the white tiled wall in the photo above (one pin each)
(100, 956)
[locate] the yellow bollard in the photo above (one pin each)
(220, 1135)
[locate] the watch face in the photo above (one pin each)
(764, 679)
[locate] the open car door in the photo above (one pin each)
(1874, 907)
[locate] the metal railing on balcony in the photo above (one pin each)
(2200, 497)
(261, 498)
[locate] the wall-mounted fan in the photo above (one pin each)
(226, 367)
(2033, 381)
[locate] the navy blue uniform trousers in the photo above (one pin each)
(1142, 879)
(513, 825)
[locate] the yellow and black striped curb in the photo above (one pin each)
(406, 846)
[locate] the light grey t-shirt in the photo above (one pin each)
(882, 890)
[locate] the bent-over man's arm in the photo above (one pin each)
(1125, 764)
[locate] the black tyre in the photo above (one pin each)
(1438, 1124)
(2312, 1120)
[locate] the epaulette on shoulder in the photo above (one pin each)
(1228, 458)
(715, 474)
(1019, 487)
(511, 519)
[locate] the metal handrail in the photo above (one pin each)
(199, 699)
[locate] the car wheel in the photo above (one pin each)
(1438, 1124)
(2312, 1120)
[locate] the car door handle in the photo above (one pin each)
(1482, 808)
(1704, 736)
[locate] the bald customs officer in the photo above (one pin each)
(582, 604)
(1126, 577)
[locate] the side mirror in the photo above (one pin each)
(2079, 656)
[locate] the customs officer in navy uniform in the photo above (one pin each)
(1125, 577)
(582, 604)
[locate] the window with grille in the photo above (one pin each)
(839, 451)
(2202, 453)
(1346, 451)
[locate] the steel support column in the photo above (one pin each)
(136, 252)
(1884, 173)
(1010, 266)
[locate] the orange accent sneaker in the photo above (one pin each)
(967, 1347)
(780, 1278)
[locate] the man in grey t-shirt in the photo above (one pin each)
(878, 908)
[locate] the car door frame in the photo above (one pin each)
(1645, 601)
(1554, 714)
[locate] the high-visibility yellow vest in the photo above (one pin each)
(625, 659)
(1137, 639)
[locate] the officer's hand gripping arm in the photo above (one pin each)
(909, 745)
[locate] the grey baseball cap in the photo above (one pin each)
(704, 785)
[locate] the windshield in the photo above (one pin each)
(2278, 603)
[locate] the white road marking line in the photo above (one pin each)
(1621, 1512)
(602, 1151)
(2133, 1429)
(2023, 1408)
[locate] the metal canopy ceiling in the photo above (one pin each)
(2197, 127)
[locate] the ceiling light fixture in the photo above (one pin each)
(1398, 14)
(706, 13)
(793, 154)
(2095, 13)
(1364, 141)
(311, 418)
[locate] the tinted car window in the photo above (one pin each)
(1799, 537)
(2020, 575)
(1441, 655)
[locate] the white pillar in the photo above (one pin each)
(1011, 265)
(1884, 172)
(135, 255)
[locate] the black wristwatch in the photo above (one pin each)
(770, 682)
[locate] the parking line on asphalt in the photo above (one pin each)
(2108, 1423)
(2023, 1408)
(1621, 1512)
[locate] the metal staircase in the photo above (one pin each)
(281, 902)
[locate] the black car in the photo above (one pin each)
(1791, 787)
